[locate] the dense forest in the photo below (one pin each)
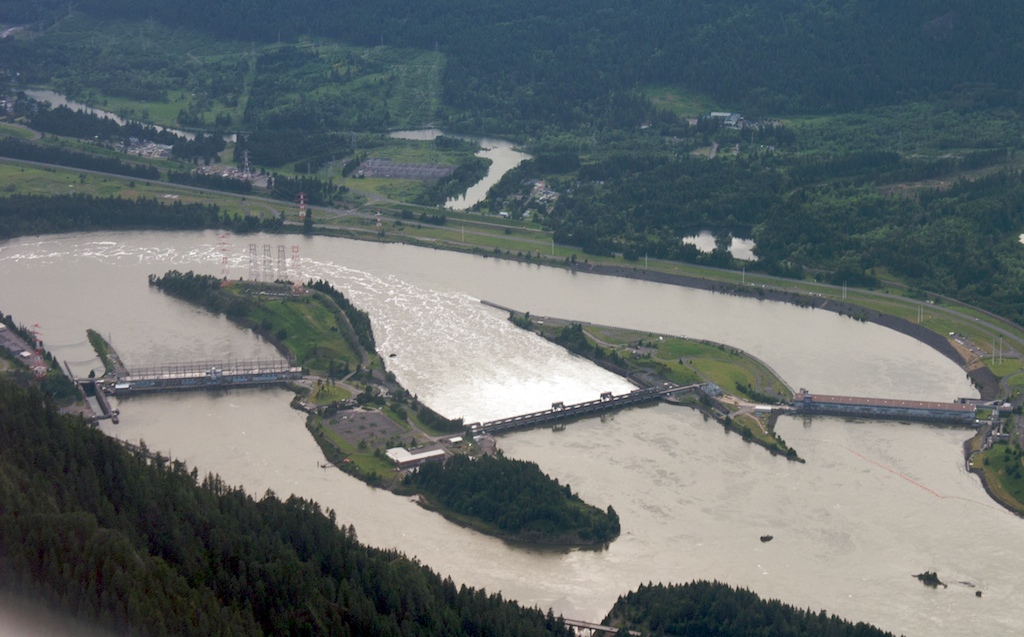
(141, 545)
(317, 192)
(533, 65)
(847, 225)
(22, 215)
(516, 497)
(308, 152)
(711, 609)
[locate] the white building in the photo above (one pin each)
(406, 460)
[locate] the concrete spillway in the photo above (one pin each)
(560, 412)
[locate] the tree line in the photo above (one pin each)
(317, 191)
(22, 215)
(468, 172)
(64, 121)
(28, 151)
(213, 182)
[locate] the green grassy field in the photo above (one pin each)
(310, 331)
(16, 131)
(682, 103)
(686, 361)
(325, 394)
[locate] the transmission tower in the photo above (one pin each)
(296, 271)
(268, 263)
(302, 205)
(282, 263)
(223, 246)
(254, 263)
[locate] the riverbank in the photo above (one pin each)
(505, 239)
(983, 378)
(735, 385)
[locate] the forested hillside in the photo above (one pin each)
(143, 546)
(579, 63)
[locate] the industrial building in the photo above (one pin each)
(850, 406)
(406, 460)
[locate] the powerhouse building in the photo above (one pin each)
(852, 406)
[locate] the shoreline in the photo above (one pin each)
(983, 379)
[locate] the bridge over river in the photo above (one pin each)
(561, 412)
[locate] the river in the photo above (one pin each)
(502, 153)
(874, 504)
(56, 99)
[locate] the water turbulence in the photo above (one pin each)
(462, 358)
(874, 504)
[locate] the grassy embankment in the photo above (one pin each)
(16, 131)
(1001, 471)
(102, 349)
(658, 358)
